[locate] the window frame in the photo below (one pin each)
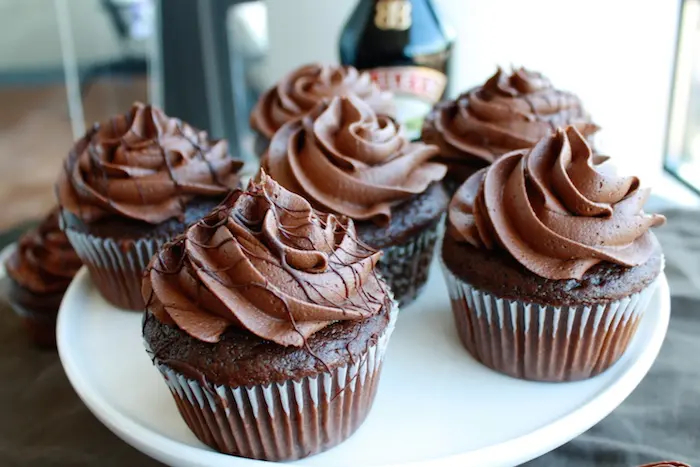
(682, 76)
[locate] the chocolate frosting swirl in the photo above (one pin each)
(44, 261)
(506, 113)
(266, 263)
(301, 90)
(143, 166)
(346, 159)
(555, 209)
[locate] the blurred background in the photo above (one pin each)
(67, 63)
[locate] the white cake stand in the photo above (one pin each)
(435, 405)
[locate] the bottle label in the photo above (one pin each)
(416, 90)
(393, 14)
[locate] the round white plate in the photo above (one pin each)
(435, 405)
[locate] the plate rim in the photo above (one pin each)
(5, 253)
(528, 446)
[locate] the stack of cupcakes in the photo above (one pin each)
(273, 310)
(547, 254)
(269, 309)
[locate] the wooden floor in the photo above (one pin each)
(35, 136)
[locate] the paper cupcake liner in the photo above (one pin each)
(281, 421)
(116, 270)
(406, 266)
(543, 342)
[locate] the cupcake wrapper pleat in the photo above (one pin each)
(281, 421)
(406, 266)
(116, 270)
(544, 343)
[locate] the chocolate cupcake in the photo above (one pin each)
(40, 270)
(549, 261)
(301, 90)
(666, 464)
(506, 113)
(130, 185)
(269, 324)
(347, 160)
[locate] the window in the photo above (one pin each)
(683, 137)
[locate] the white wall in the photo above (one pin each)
(616, 54)
(292, 39)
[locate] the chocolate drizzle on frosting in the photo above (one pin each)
(144, 166)
(44, 261)
(300, 91)
(267, 263)
(346, 159)
(506, 113)
(555, 210)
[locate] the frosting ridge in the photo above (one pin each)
(44, 261)
(346, 159)
(555, 209)
(301, 90)
(268, 263)
(508, 112)
(144, 166)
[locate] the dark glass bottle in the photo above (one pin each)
(407, 48)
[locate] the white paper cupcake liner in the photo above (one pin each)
(543, 342)
(406, 266)
(115, 269)
(282, 421)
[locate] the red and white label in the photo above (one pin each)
(424, 83)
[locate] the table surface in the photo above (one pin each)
(44, 422)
